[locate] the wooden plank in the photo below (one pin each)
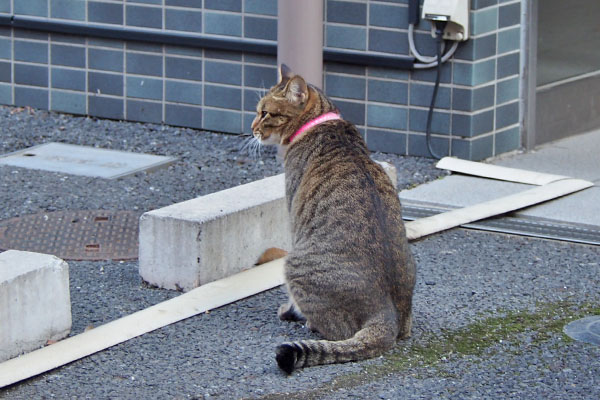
(440, 222)
(196, 301)
(497, 172)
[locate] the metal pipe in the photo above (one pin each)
(300, 38)
(194, 40)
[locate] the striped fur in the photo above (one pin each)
(350, 274)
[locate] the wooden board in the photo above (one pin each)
(196, 301)
(497, 172)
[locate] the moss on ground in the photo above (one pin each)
(474, 339)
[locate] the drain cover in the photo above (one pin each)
(74, 235)
(83, 160)
(585, 330)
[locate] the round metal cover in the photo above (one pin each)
(74, 235)
(585, 330)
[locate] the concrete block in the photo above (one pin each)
(188, 244)
(35, 303)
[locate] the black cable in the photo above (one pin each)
(439, 32)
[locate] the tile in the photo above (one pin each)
(417, 145)
(509, 40)
(155, 2)
(101, 42)
(38, 8)
(183, 20)
(147, 17)
(107, 60)
(251, 99)
(473, 99)
(68, 9)
(477, 48)
(59, 38)
(264, 7)
(144, 64)
(346, 12)
(352, 111)
(425, 44)
(68, 102)
(223, 24)
(105, 107)
(345, 68)
(440, 121)
(223, 5)
(507, 90)
(260, 77)
(474, 74)
(473, 124)
(346, 37)
(247, 123)
(389, 16)
(260, 28)
(482, 148)
(84, 160)
(71, 79)
(5, 72)
(107, 13)
(507, 114)
(144, 111)
(222, 121)
(386, 141)
(180, 115)
(5, 7)
(144, 87)
(484, 21)
(71, 56)
(222, 55)
(31, 51)
(478, 4)
(345, 86)
(430, 74)
(183, 92)
(508, 65)
(32, 97)
(223, 72)
(509, 15)
(223, 97)
(185, 51)
(144, 46)
(33, 75)
(388, 73)
(183, 68)
(6, 94)
(184, 3)
(30, 34)
(420, 95)
(387, 92)
(102, 83)
(507, 140)
(388, 41)
(387, 117)
(5, 48)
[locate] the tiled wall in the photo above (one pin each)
(477, 110)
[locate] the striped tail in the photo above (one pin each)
(369, 342)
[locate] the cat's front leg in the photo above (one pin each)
(290, 312)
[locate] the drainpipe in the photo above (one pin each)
(300, 38)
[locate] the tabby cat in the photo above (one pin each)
(350, 274)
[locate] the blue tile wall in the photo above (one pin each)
(477, 108)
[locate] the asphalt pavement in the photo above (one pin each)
(489, 308)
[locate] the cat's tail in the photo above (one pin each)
(369, 342)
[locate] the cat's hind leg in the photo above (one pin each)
(290, 312)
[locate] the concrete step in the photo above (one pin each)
(35, 303)
(188, 244)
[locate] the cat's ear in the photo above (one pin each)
(296, 90)
(285, 73)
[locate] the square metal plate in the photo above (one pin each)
(83, 160)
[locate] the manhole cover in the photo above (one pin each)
(585, 330)
(74, 235)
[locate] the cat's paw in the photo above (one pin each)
(289, 312)
(286, 356)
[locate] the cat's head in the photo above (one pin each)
(287, 105)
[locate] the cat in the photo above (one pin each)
(350, 274)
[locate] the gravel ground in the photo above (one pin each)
(488, 307)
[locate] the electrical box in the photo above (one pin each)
(454, 12)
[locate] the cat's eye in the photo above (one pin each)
(264, 114)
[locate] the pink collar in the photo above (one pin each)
(312, 123)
